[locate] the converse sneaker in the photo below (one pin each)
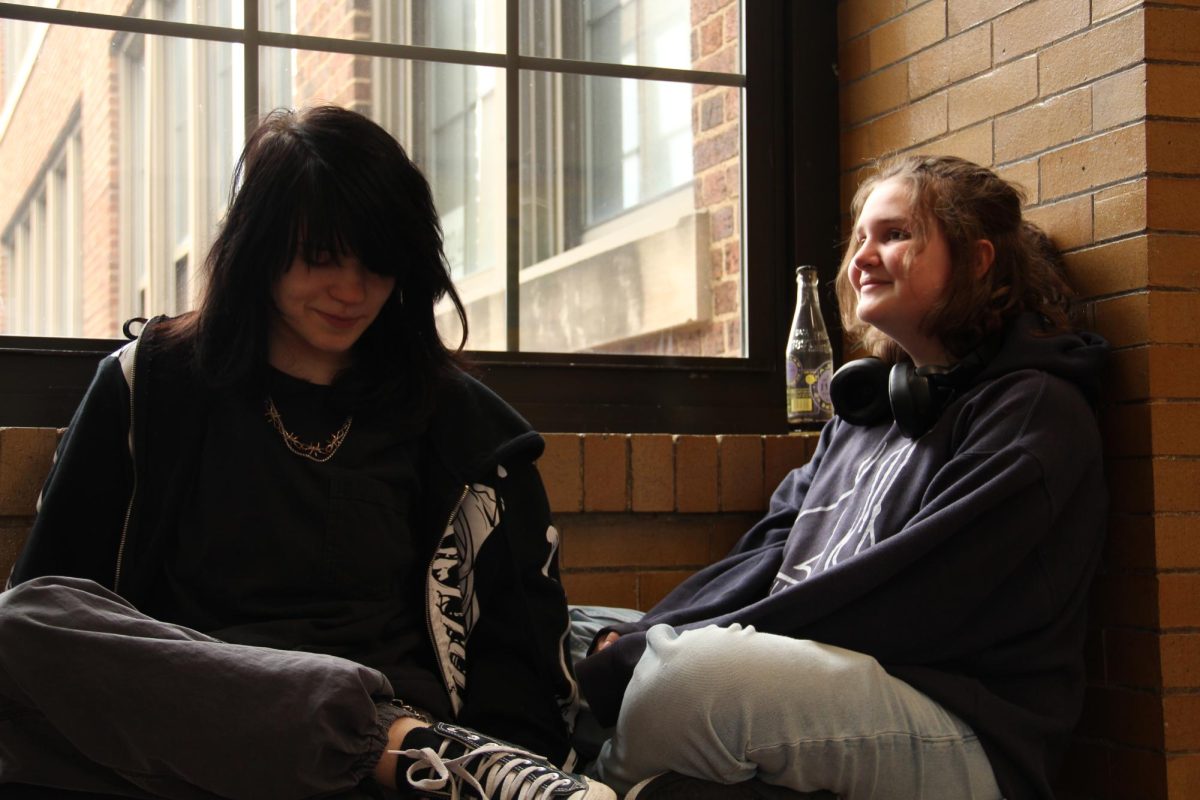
(466, 764)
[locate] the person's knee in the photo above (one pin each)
(38, 600)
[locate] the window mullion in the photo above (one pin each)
(512, 146)
(250, 40)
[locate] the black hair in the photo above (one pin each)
(317, 183)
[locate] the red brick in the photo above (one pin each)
(605, 472)
(653, 463)
(654, 586)
(561, 467)
(696, 473)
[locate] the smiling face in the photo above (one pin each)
(895, 283)
(321, 310)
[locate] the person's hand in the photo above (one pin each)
(608, 639)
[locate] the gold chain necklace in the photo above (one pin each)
(314, 452)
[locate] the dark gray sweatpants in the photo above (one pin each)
(96, 696)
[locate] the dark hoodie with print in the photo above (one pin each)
(960, 560)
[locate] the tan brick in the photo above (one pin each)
(1123, 320)
(1131, 489)
(1177, 541)
(1102, 50)
(1035, 25)
(881, 91)
(1119, 210)
(1175, 482)
(1131, 544)
(1069, 222)
(973, 143)
(1048, 124)
(1023, 175)
(1173, 90)
(1174, 372)
(1106, 158)
(1109, 268)
(617, 589)
(561, 467)
(12, 538)
(1134, 773)
(1180, 658)
(652, 459)
(1172, 34)
(1004, 88)
(1119, 98)
(25, 458)
(924, 120)
(1173, 147)
(1171, 204)
(859, 16)
(1103, 9)
(1183, 775)
(1127, 430)
(781, 454)
(854, 59)
(654, 586)
(696, 473)
(1174, 260)
(907, 34)
(1176, 429)
(1124, 716)
(622, 540)
(1175, 318)
(1181, 720)
(741, 470)
(605, 472)
(1128, 375)
(855, 147)
(950, 62)
(963, 14)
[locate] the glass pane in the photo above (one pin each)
(450, 120)
(680, 34)
(130, 141)
(631, 216)
(457, 24)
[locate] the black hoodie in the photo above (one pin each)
(960, 560)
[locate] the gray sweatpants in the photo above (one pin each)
(96, 696)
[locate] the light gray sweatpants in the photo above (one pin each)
(98, 697)
(730, 704)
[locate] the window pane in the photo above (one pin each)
(450, 120)
(680, 34)
(131, 139)
(631, 222)
(457, 24)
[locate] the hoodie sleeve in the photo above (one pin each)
(521, 687)
(82, 505)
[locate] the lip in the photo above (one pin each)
(335, 321)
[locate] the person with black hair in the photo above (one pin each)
(907, 620)
(288, 547)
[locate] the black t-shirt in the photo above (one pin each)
(278, 550)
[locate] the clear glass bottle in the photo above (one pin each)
(809, 357)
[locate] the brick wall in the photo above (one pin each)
(637, 513)
(1094, 108)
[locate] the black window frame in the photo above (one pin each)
(792, 215)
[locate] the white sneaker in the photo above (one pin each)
(467, 764)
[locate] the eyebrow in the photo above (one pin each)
(903, 221)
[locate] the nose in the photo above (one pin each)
(865, 255)
(350, 284)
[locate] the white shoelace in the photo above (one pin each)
(508, 771)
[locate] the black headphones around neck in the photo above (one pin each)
(868, 391)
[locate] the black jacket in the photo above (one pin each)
(961, 561)
(495, 610)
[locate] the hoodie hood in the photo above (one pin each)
(1029, 343)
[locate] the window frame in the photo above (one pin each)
(792, 215)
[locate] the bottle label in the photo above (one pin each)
(808, 392)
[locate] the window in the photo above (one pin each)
(610, 206)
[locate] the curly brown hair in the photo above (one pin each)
(967, 203)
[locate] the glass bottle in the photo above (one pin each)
(809, 357)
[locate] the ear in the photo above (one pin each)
(985, 255)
